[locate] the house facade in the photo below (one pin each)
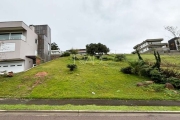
(18, 46)
(174, 44)
(149, 45)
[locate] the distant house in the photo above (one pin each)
(80, 51)
(150, 45)
(174, 43)
(55, 54)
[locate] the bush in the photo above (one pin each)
(120, 57)
(84, 57)
(65, 54)
(72, 67)
(174, 81)
(136, 65)
(156, 76)
(127, 70)
(157, 87)
(170, 73)
(145, 70)
(104, 58)
(76, 58)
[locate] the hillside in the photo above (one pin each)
(102, 80)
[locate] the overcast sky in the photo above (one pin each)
(119, 24)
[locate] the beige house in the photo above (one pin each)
(18, 46)
(149, 45)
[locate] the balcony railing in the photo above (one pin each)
(12, 37)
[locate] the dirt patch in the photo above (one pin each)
(41, 74)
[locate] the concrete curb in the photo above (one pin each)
(87, 111)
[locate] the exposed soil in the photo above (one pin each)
(41, 74)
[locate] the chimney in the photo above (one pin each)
(32, 27)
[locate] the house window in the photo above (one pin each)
(19, 65)
(5, 66)
(4, 36)
(12, 65)
(15, 36)
(36, 41)
(12, 36)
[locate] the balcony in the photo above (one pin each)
(12, 36)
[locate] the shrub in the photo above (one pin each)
(170, 73)
(174, 81)
(72, 67)
(127, 70)
(84, 57)
(76, 58)
(156, 76)
(105, 58)
(136, 65)
(120, 57)
(157, 87)
(145, 70)
(65, 54)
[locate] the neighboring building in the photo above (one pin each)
(174, 43)
(44, 41)
(18, 46)
(150, 45)
(82, 51)
(55, 54)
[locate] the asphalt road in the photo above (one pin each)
(86, 116)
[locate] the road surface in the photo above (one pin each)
(86, 116)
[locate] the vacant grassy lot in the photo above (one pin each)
(102, 79)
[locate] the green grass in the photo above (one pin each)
(103, 78)
(90, 107)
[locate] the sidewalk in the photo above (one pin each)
(102, 102)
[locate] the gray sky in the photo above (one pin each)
(119, 24)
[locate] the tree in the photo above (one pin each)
(54, 46)
(94, 48)
(173, 30)
(73, 51)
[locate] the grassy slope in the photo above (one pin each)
(103, 79)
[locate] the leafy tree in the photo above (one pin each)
(94, 48)
(54, 46)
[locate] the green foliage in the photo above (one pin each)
(155, 87)
(174, 81)
(93, 49)
(120, 57)
(73, 51)
(72, 67)
(54, 46)
(136, 66)
(157, 76)
(127, 70)
(65, 54)
(74, 57)
(170, 73)
(145, 70)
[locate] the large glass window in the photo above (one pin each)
(16, 36)
(4, 36)
(12, 36)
